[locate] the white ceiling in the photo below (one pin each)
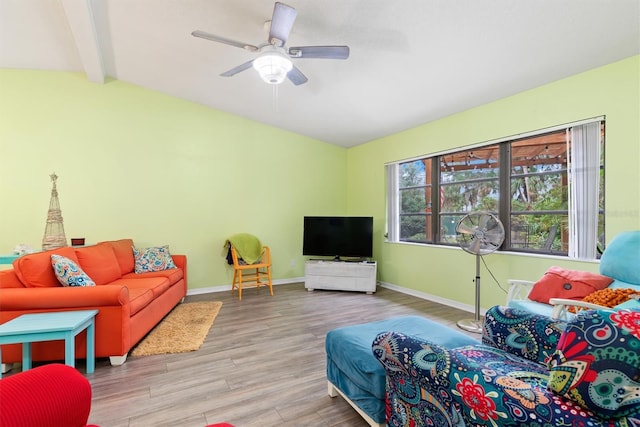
(412, 61)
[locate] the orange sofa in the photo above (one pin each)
(129, 304)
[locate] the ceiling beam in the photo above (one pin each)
(82, 24)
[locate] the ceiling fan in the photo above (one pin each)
(274, 59)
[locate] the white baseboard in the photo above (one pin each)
(408, 291)
(430, 297)
(227, 288)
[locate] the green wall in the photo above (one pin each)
(448, 273)
(134, 163)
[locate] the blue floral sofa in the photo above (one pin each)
(529, 370)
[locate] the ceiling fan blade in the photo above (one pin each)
(213, 37)
(322, 52)
(296, 76)
(236, 70)
(281, 24)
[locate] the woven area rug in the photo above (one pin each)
(182, 330)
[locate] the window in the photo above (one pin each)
(415, 201)
(538, 185)
(469, 181)
(547, 189)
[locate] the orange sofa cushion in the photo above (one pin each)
(173, 274)
(156, 285)
(35, 271)
(99, 262)
(123, 249)
(560, 282)
(139, 298)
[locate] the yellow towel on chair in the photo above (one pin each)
(247, 245)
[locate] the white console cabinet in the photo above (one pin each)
(340, 276)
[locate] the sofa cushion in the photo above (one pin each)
(474, 385)
(155, 258)
(532, 306)
(173, 274)
(123, 249)
(494, 374)
(597, 362)
(560, 282)
(520, 332)
(69, 273)
(139, 299)
(157, 285)
(34, 270)
(99, 262)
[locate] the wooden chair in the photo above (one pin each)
(252, 275)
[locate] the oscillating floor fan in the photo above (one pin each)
(478, 233)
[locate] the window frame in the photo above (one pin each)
(506, 174)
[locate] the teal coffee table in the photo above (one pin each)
(60, 325)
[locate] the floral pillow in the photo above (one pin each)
(69, 273)
(155, 258)
(597, 363)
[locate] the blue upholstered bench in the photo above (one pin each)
(356, 375)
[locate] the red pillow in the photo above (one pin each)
(560, 282)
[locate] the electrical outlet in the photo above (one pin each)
(292, 263)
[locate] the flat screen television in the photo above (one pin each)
(338, 236)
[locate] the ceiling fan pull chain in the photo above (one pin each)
(275, 97)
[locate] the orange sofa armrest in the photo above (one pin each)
(181, 262)
(9, 279)
(26, 299)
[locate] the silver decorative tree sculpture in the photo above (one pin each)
(54, 231)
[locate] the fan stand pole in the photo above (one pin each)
(474, 325)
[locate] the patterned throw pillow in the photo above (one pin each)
(155, 258)
(597, 362)
(69, 273)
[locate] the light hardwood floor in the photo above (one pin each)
(262, 364)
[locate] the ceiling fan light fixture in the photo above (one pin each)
(272, 67)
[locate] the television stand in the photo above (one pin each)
(340, 275)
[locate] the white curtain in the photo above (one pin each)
(584, 187)
(393, 203)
